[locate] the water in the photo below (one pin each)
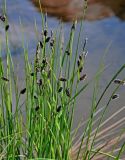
(104, 26)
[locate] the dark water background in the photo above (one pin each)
(104, 27)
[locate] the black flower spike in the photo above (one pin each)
(115, 96)
(78, 63)
(47, 39)
(49, 73)
(6, 27)
(23, 91)
(2, 18)
(45, 32)
(39, 82)
(80, 69)
(41, 44)
(85, 53)
(5, 79)
(68, 92)
(35, 97)
(118, 81)
(81, 57)
(32, 74)
(58, 109)
(73, 26)
(37, 108)
(85, 42)
(60, 89)
(67, 52)
(62, 79)
(44, 61)
(52, 42)
(83, 77)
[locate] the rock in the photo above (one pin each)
(69, 10)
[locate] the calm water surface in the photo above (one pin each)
(104, 25)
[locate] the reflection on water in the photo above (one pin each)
(69, 10)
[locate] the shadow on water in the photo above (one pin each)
(69, 10)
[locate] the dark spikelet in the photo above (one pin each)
(37, 108)
(5, 79)
(6, 27)
(51, 33)
(23, 91)
(80, 69)
(49, 73)
(35, 97)
(85, 42)
(78, 63)
(115, 96)
(58, 109)
(41, 44)
(37, 53)
(60, 89)
(52, 42)
(45, 32)
(44, 61)
(62, 79)
(2, 18)
(67, 52)
(118, 81)
(81, 57)
(32, 74)
(68, 92)
(37, 69)
(73, 26)
(85, 53)
(39, 82)
(83, 77)
(47, 39)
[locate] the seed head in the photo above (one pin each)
(45, 32)
(52, 42)
(118, 81)
(115, 96)
(73, 26)
(58, 109)
(23, 91)
(68, 92)
(47, 39)
(41, 44)
(80, 69)
(5, 79)
(49, 73)
(62, 79)
(81, 57)
(44, 61)
(37, 108)
(67, 52)
(32, 74)
(2, 18)
(35, 97)
(60, 89)
(83, 77)
(78, 63)
(39, 82)
(85, 42)
(6, 27)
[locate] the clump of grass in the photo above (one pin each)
(43, 129)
